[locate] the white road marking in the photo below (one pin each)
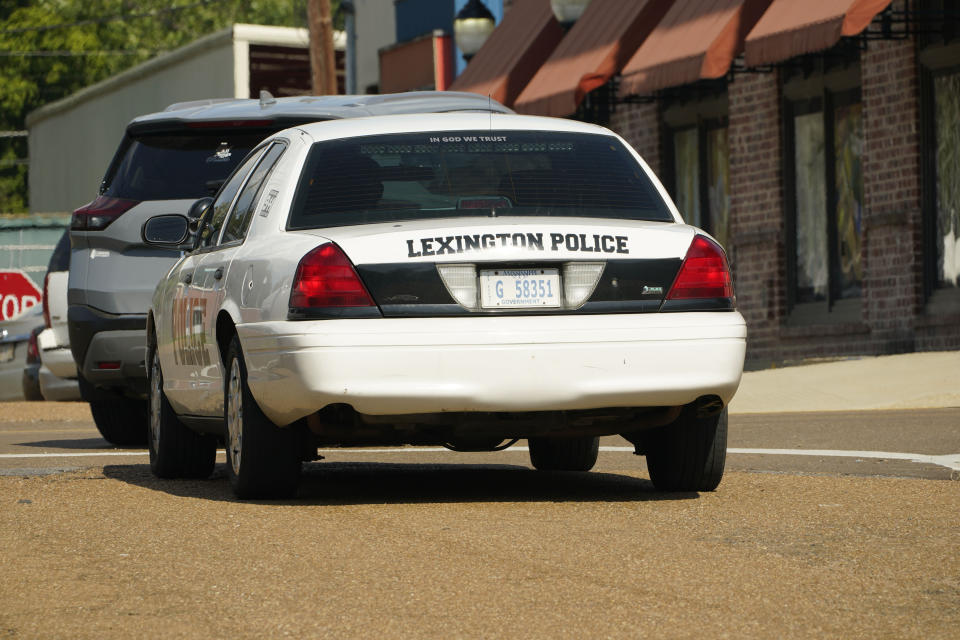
(73, 455)
(950, 461)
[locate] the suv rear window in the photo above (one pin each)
(178, 165)
(472, 173)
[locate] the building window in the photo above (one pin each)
(718, 184)
(698, 166)
(940, 104)
(946, 116)
(824, 178)
(939, 56)
(686, 174)
(811, 215)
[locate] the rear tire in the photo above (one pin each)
(564, 454)
(690, 453)
(121, 421)
(263, 460)
(31, 389)
(175, 450)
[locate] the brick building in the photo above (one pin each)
(818, 141)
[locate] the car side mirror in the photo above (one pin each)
(199, 208)
(199, 216)
(169, 230)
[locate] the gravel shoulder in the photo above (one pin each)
(25, 412)
(401, 550)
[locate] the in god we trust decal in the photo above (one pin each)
(546, 242)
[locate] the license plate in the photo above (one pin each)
(6, 352)
(519, 288)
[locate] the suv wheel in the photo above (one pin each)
(263, 460)
(175, 450)
(31, 389)
(690, 453)
(121, 421)
(564, 454)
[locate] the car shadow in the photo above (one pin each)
(358, 483)
(92, 444)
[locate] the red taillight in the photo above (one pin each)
(33, 351)
(326, 278)
(703, 274)
(98, 214)
(46, 303)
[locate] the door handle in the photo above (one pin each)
(187, 278)
(218, 274)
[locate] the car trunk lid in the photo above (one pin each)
(528, 265)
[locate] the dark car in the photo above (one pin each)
(15, 334)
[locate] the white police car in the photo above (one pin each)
(456, 279)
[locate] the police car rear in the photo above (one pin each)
(489, 278)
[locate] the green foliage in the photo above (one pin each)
(13, 175)
(51, 48)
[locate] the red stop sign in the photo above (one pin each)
(17, 292)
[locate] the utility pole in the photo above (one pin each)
(323, 69)
(350, 26)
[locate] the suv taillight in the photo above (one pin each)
(33, 350)
(97, 215)
(703, 274)
(46, 303)
(326, 278)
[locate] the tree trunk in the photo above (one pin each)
(323, 70)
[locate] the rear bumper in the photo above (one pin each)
(59, 362)
(55, 388)
(431, 365)
(11, 374)
(97, 337)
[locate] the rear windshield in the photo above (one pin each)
(177, 166)
(472, 173)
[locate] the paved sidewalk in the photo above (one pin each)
(908, 381)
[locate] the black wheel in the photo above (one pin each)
(31, 389)
(175, 450)
(263, 460)
(690, 453)
(121, 421)
(564, 454)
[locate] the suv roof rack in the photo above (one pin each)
(190, 104)
(295, 110)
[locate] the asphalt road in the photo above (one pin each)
(897, 443)
(422, 543)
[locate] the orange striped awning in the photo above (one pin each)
(596, 48)
(696, 40)
(790, 28)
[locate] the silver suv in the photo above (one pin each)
(165, 163)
